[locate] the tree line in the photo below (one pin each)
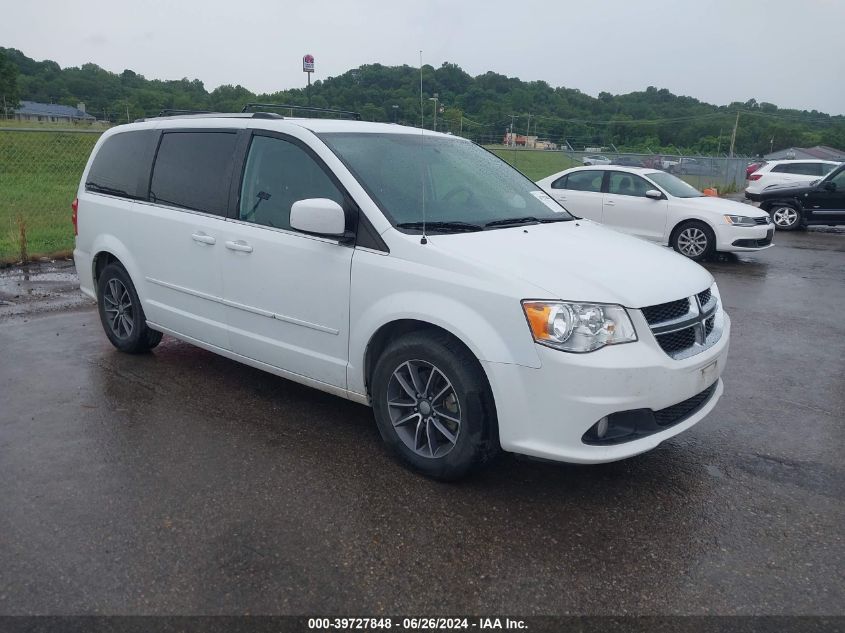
(482, 108)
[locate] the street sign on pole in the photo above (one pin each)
(308, 67)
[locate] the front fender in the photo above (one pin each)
(508, 340)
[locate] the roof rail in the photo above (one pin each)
(297, 108)
(172, 112)
(203, 114)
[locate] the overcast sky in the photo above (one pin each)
(786, 52)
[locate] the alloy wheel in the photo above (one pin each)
(692, 241)
(424, 408)
(784, 217)
(118, 307)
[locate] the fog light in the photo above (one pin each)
(601, 428)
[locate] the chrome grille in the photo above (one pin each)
(677, 341)
(666, 311)
(685, 327)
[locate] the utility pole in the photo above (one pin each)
(513, 139)
(528, 128)
(127, 113)
(434, 124)
(733, 135)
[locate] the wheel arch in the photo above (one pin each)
(767, 205)
(107, 250)
(686, 220)
(391, 330)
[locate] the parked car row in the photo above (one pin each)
(794, 205)
(473, 312)
(786, 172)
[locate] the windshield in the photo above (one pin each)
(463, 186)
(674, 186)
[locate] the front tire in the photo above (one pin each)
(433, 406)
(694, 240)
(786, 217)
(121, 313)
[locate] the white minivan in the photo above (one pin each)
(413, 272)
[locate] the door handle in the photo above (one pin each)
(202, 238)
(561, 198)
(239, 245)
(610, 203)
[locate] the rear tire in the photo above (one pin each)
(121, 313)
(433, 406)
(694, 240)
(786, 217)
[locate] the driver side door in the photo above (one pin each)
(822, 204)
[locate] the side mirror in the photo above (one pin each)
(829, 185)
(318, 215)
(654, 194)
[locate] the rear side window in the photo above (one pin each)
(808, 169)
(560, 183)
(122, 165)
(193, 170)
(804, 169)
(584, 181)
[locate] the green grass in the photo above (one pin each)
(39, 175)
(535, 164)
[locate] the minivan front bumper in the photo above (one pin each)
(546, 412)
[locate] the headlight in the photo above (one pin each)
(740, 220)
(578, 327)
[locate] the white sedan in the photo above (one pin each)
(661, 208)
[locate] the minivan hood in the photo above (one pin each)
(720, 206)
(580, 261)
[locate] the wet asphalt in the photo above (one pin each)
(180, 482)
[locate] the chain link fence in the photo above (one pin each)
(40, 170)
(724, 174)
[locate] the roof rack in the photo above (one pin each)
(179, 114)
(172, 112)
(297, 108)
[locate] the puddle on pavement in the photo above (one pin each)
(39, 287)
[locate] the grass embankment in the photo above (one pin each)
(535, 164)
(39, 174)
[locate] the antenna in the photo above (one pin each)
(423, 239)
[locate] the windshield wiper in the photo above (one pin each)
(440, 227)
(514, 221)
